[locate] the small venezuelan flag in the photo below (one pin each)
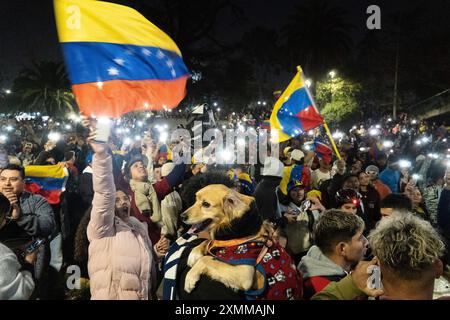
(322, 150)
(48, 181)
(265, 124)
(117, 60)
(295, 111)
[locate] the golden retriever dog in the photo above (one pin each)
(226, 215)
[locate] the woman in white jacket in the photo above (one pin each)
(15, 283)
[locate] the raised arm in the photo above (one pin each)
(103, 205)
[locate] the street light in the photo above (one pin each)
(332, 74)
(215, 104)
(7, 91)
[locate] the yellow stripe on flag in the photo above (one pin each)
(77, 21)
(55, 171)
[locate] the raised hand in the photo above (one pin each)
(361, 276)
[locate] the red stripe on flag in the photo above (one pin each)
(309, 118)
(117, 97)
(52, 196)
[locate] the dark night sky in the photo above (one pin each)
(27, 28)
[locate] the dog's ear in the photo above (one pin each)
(235, 205)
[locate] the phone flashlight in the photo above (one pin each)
(103, 130)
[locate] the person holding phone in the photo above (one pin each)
(408, 269)
(300, 215)
(31, 218)
(16, 281)
(121, 261)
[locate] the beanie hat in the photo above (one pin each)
(273, 167)
(372, 168)
(167, 168)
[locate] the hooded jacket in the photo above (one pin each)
(14, 283)
(318, 271)
(121, 264)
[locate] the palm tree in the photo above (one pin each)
(318, 37)
(44, 87)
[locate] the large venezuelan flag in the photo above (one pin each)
(48, 181)
(117, 60)
(295, 111)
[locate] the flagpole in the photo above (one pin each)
(299, 69)
(325, 125)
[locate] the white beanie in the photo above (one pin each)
(273, 167)
(297, 155)
(167, 168)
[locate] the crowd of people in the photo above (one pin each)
(382, 203)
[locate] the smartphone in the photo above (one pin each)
(374, 280)
(103, 130)
(33, 246)
(306, 205)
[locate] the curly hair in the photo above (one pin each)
(406, 244)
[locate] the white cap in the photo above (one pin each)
(273, 167)
(167, 168)
(297, 154)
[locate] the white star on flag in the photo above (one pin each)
(129, 52)
(160, 54)
(173, 72)
(146, 52)
(119, 61)
(169, 63)
(113, 71)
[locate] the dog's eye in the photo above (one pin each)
(205, 204)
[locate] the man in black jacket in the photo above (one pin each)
(31, 217)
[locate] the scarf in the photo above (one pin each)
(171, 261)
(146, 200)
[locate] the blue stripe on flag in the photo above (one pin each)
(47, 183)
(287, 114)
(99, 61)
